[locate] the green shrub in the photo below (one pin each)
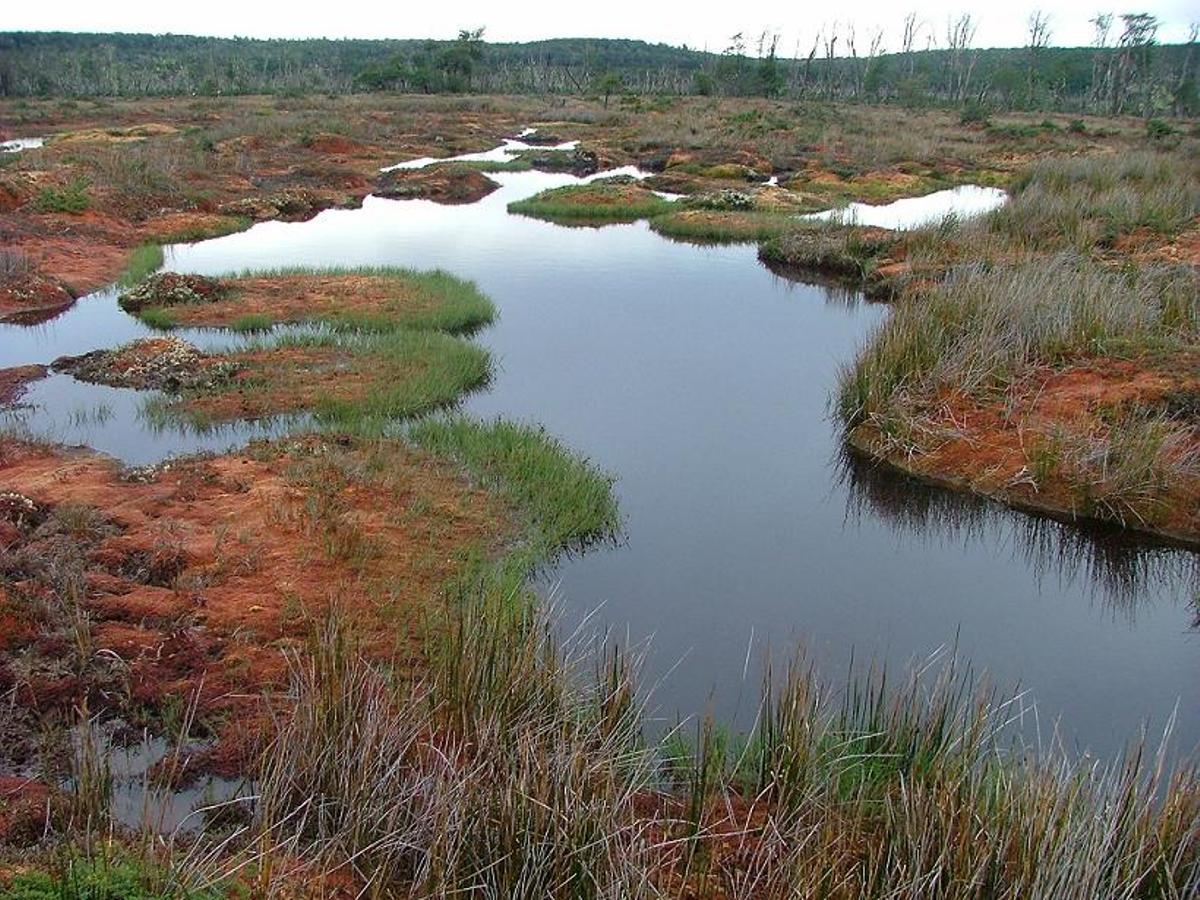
(73, 198)
(973, 113)
(80, 879)
(1156, 129)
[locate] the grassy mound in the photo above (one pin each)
(601, 201)
(351, 383)
(376, 299)
(1055, 382)
(724, 226)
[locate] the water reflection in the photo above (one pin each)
(506, 152)
(1121, 568)
(701, 379)
(964, 201)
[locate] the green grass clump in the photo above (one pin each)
(722, 227)
(568, 501)
(532, 782)
(522, 162)
(73, 198)
(1089, 200)
(216, 228)
(594, 202)
(158, 317)
(243, 324)
(415, 372)
(101, 879)
(393, 376)
(144, 260)
(828, 247)
(981, 327)
(1123, 473)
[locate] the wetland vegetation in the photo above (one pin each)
(342, 621)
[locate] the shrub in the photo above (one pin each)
(973, 113)
(1157, 129)
(73, 198)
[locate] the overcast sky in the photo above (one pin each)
(699, 24)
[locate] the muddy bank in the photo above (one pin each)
(26, 295)
(442, 184)
(14, 381)
(1031, 448)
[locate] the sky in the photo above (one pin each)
(700, 24)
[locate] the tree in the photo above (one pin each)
(1134, 47)
(608, 84)
(732, 64)
(960, 33)
(1102, 58)
(457, 61)
(770, 79)
(1039, 39)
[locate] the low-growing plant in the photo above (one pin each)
(973, 113)
(71, 198)
(722, 227)
(1084, 201)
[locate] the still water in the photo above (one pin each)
(700, 380)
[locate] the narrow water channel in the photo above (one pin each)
(701, 380)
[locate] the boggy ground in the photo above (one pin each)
(344, 381)
(119, 174)
(497, 774)
(1044, 354)
(388, 350)
(129, 591)
(1107, 438)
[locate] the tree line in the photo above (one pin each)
(1124, 70)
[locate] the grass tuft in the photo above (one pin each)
(569, 502)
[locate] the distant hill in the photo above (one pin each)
(1148, 78)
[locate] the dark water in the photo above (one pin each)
(700, 379)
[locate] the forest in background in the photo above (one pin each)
(1124, 71)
